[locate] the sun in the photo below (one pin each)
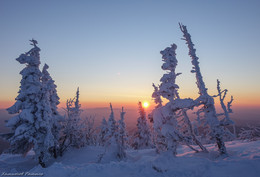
(146, 104)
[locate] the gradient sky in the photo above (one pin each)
(110, 49)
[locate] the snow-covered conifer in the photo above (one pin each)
(103, 132)
(157, 100)
(157, 97)
(143, 135)
(56, 119)
(114, 138)
(165, 122)
(122, 137)
(168, 87)
(112, 126)
(45, 139)
(158, 138)
(32, 126)
(77, 138)
(250, 133)
(73, 134)
(49, 82)
(90, 130)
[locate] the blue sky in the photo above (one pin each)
(110, 49)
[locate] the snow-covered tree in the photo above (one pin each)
(169, 131)
(226, 121)
(103, 132)
(168, 87)
(122, 136)
(157, 97)
(165, 122)
(114, 138)
(250, 133)
(90, 130)
(143, 135)
(77, 138)
(45, 140)
(112, 126)
(217, 131)
(157, 100)
(32, 125)
(48, 84)
(158, 138)
(73, 134)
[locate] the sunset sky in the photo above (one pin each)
(111, 49)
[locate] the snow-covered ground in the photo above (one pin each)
(243, 161)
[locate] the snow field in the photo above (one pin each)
(243, 160)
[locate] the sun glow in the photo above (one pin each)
(146, 104)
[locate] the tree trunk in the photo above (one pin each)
(41, 160)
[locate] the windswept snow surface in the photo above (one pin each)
(243, 161)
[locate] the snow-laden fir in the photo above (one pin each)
(142, 137)
(34, 126)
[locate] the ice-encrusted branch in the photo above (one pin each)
(157, 100)
(77, 105)
(209, 106)
(227, 109)
(156, 96)
(229, 105)
(227, 119)
(190, 130)
(188, 103)
(34, 42)
(195, 62)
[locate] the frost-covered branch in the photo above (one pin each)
(227, 110)
(190, 130)
(195, 62)
(229, 105)
(157, 100)
(156, 96)
(227, 120)
(209, 107)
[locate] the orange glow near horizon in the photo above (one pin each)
(84, 105)
(239, 101)
(115, 104)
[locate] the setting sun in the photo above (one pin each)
(145, 104)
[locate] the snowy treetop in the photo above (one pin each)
(32, 57)
(169, 57)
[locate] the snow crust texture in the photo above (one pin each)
(243, 160)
